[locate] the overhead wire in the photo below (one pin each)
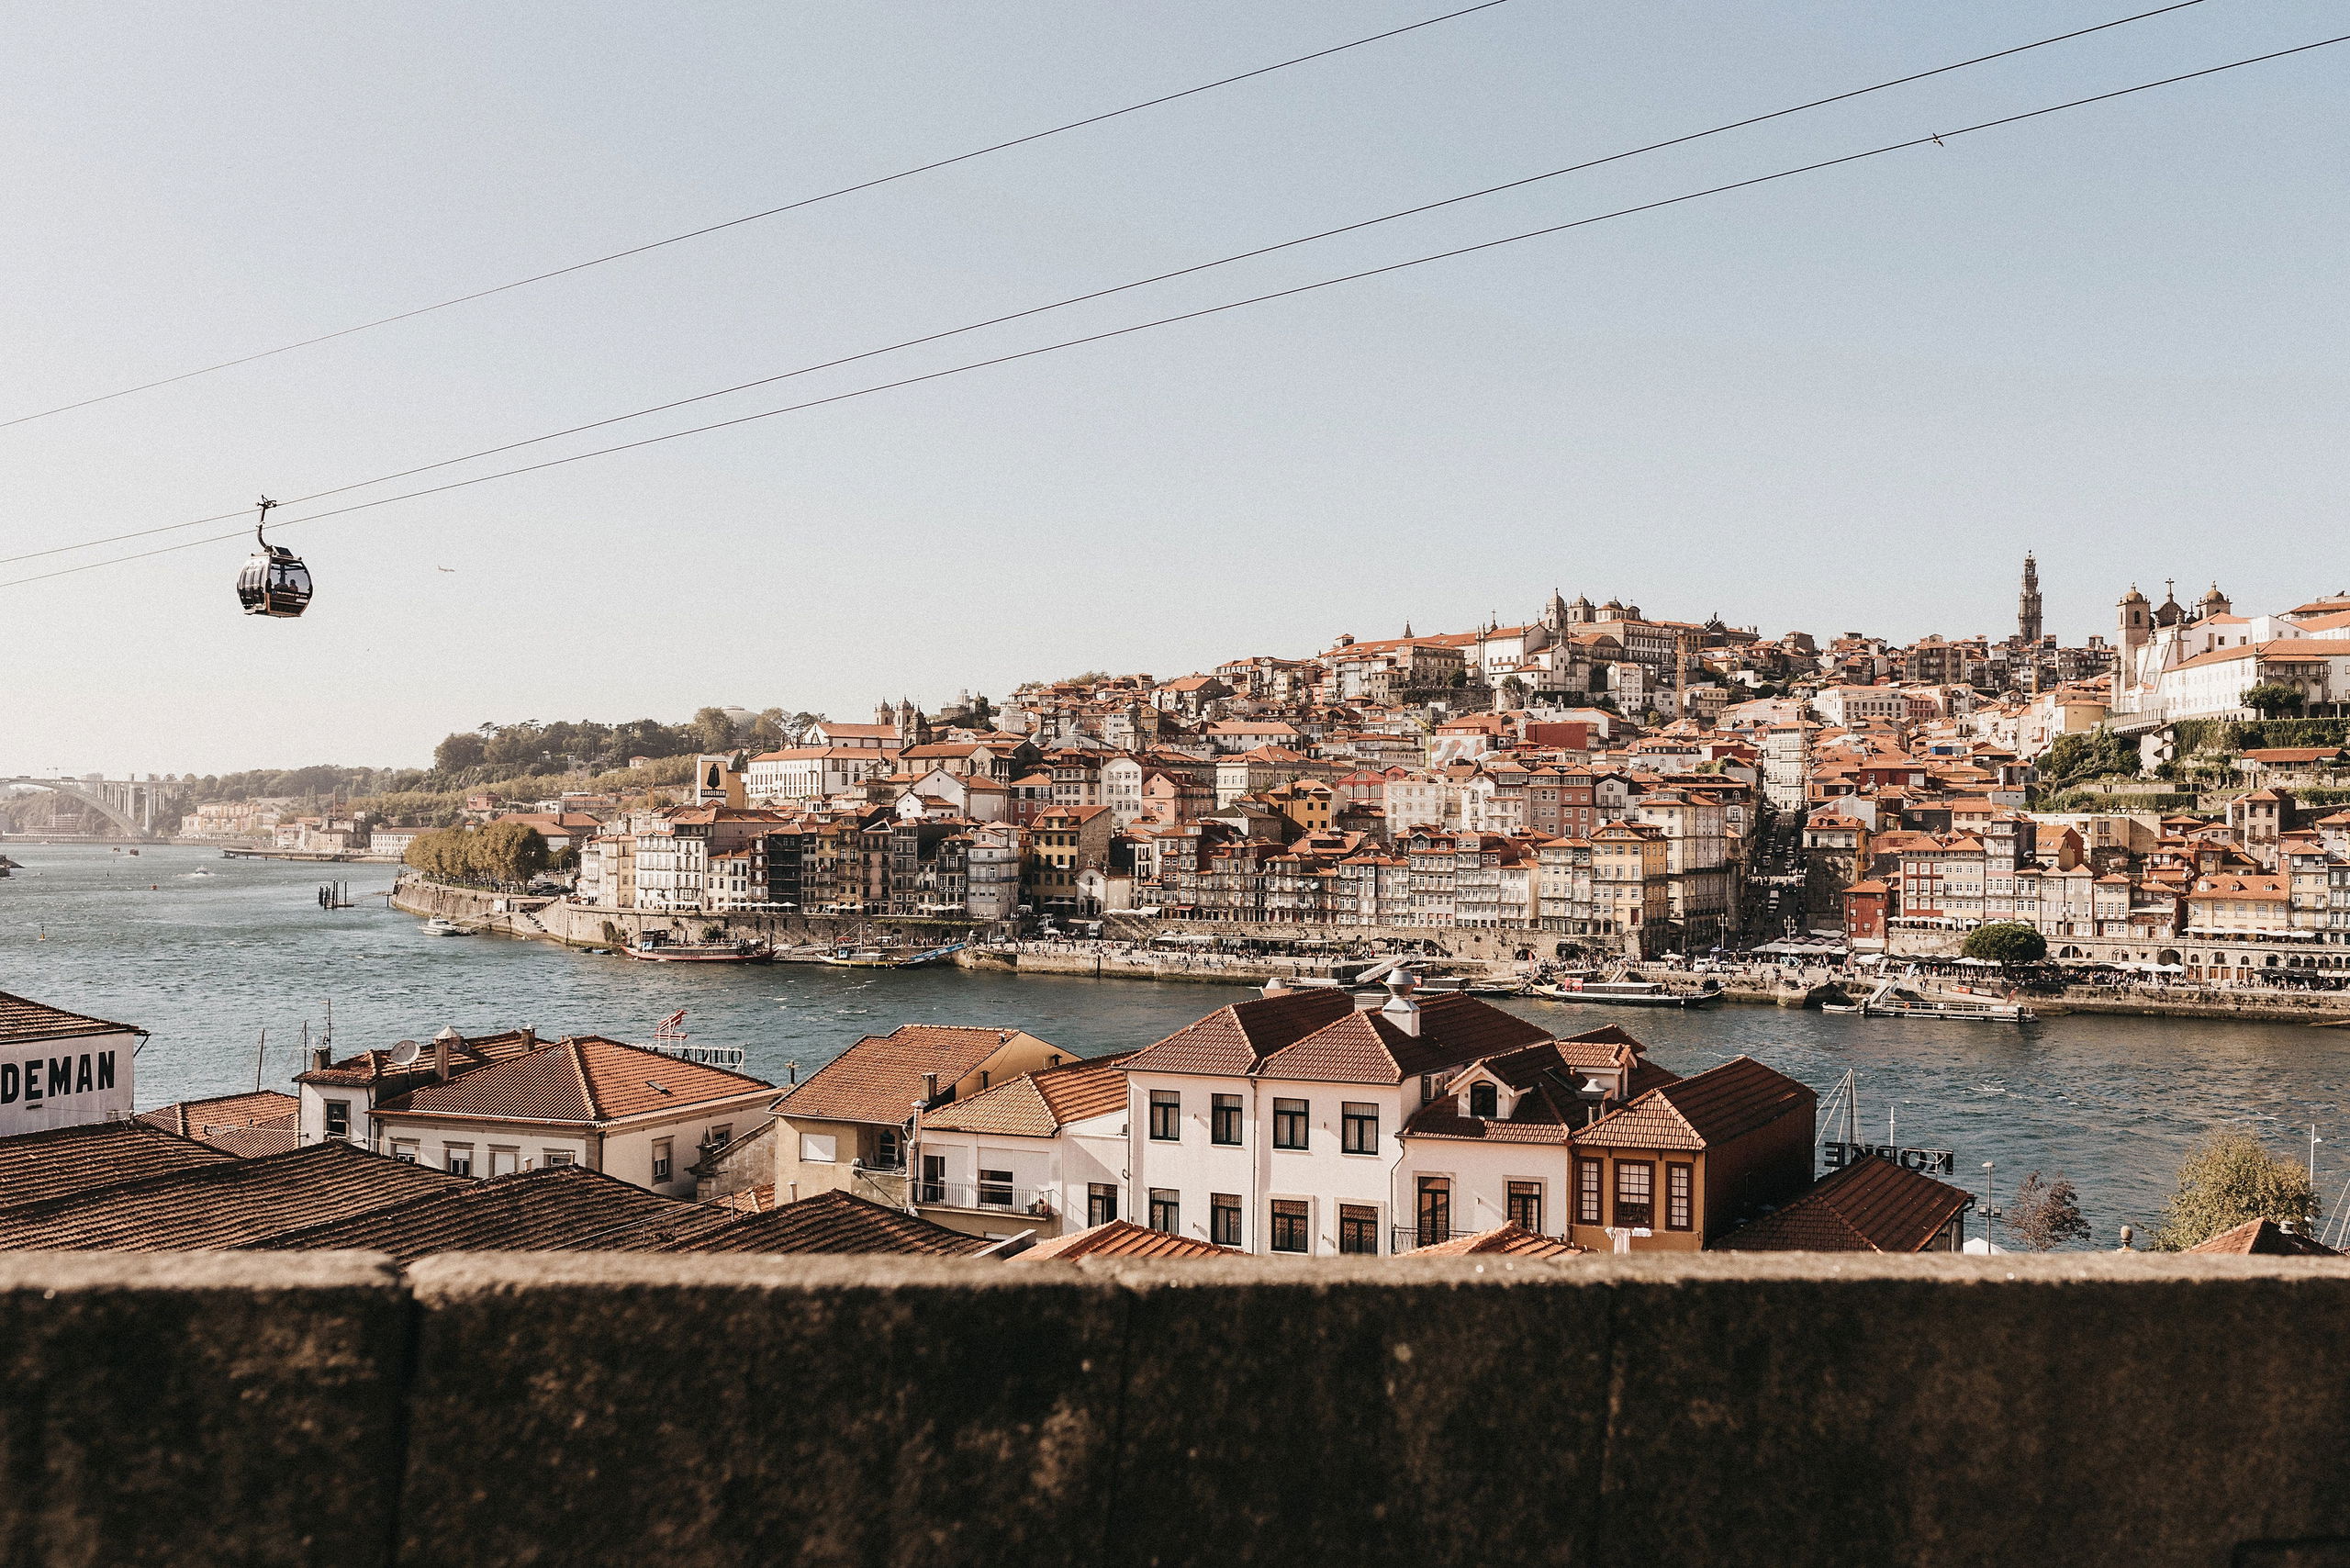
(1935, 138)
(756, 217)
(1135, 283)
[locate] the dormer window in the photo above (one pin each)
(1484, 1101)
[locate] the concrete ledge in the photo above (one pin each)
(1759, 1408)
(199, 1409)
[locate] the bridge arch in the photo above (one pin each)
(91, 798)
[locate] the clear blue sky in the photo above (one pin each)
(1851, 401)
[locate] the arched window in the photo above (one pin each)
(1484, 1101)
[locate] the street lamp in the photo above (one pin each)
(1988, 1212)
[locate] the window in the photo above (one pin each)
(889, 1150)
(1484, 1101)
(1635, 1193)
(1223, 1119)
(505, 1161)
(1289, 1124)
(661, 1153)
(1357, 1228)
(1224, 1219)
(338, 1118)
(1359, 1127)
(1436, 1210)
(1587, 1188)
(1677, 1185)
(1166, 1115)
(555, 1156)
(404, 1149)
(719, 1135)
(934, 1178)
(1166, 1210)
(1526, 1204)
(995, 1189)
(1289, 1225)
(1101, 1202)
(458, 1157)
(818, 1148)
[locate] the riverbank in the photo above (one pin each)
(1492, 955)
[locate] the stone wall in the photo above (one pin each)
(1713, 1409)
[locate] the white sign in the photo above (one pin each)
(64, 1082)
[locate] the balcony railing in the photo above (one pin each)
(990, 1196)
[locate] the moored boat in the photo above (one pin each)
(743, 952)
(441, 925)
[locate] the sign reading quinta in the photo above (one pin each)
(60, 1069)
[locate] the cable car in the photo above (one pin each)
(275, 582)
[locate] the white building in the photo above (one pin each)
(1046, 1151)
(507, 1102)
(61, 1069)
(1271, 1125)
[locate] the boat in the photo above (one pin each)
(862, 958)
(1891, 1000)
(1495, 987)
(740, 952)
(1630, 994)
(441, 925)
(932, 956)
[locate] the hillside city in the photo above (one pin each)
(2165, 799)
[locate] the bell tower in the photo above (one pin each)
(2028, 602)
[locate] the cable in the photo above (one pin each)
(1935, 138)
(1119, 288)
(756, 217)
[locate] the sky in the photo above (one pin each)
(1846, 401)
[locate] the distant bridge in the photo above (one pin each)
(132, 805)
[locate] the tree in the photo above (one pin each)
(2046, 1215)
(713, 731)
(2006, 942)
(2094, 753)
(459, 752)
(2227, 1178)
(2273, 699)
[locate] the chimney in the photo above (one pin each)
(321, 1058)
(1401, 1010)
(929, 1087)
(791, 1070)
(529, 1033)
(447, 1037)
(1276, 986)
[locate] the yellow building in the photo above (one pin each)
(1630, 886)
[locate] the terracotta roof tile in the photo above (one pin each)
(1509, 1240)
(263, 1122)
(2264, 1238)
(1039, 1103)
(588, 1079)
(1713, 1107)
(233, 1204)
(880, 1077)
(1124, 1239)
(1233, 1040)
(58, 1161)
(567, 1207)
(1368, 1048)
(1871, 1205)
(21, 1018)
(834, 1222)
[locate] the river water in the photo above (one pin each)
(207, 953)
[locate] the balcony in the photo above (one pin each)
(984, 1197)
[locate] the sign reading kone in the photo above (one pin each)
(1931, 1161)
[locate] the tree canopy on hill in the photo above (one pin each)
(503, 854)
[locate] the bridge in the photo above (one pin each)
(133, 805)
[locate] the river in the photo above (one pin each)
(207, 953)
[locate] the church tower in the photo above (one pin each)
(2028, 602)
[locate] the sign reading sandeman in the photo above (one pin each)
(60, 1069)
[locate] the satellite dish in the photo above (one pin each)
(406, 1052)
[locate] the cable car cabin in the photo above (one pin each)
(275, 582)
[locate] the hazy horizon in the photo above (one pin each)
(1850, 400)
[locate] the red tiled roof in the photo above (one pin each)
(23, 1019)
(2264, 1238)
(260, 1123)
(589, 1080)
(1713, 1107)
(1233, 1040)
(1368, 1048)
(880, 1077)
(371, 1066)
(236, 1203)
(565, 1207)
(1508, 1240)
(833, 1221)
(1871, 1206)
(57, 1161)
(1124, 1239)
(1039, 1103)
